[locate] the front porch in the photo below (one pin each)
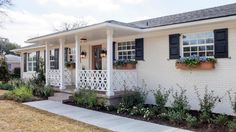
(92, 70)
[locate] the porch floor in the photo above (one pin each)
(103, 120)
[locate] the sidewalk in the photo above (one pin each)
(103, 120)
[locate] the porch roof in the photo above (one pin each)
(91, 32)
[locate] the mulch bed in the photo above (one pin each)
(199, 128)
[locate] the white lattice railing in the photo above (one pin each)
(124, 79)
(94, 79)
(54, 77)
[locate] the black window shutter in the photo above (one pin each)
(139, 49)
(114, 51)
(66, 55)
(56, 57)
(221, 43)
(25, 62)
(174, 44)
(37, 60)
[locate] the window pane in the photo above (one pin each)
(194, 53)
(202, 48)
(210, 40)
(210, 54)
(210, 47)
(202, 54)
(186, 48)
(193, 42)
(201, 41)
(193, 48)
(186, 42)
(186, 54)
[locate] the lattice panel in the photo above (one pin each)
(124, 79)
(54, 77)
(94, 79)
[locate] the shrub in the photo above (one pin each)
(16, 73)
(180, 103)
(42, 91)
(207, 103)
(176, 116)
(220, 120)
(161, 98)
(21, 94)
(16, 82)
(6, 86)
(136, 110)
(232, 101)
(5, 75)
(148, 113)
(191, 120)
(122, 109)
(232, 125)
(86, 97)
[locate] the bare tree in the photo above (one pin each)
(65, 26)
(4, 4)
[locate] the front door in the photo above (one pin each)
(96, 58)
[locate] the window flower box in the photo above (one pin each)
(196, 62)
(125, 64)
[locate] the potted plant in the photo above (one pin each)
(119, 64)
(70, 65)
(125, 64)
(196, 62)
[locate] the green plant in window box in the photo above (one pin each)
(125, 64)
(199, 62)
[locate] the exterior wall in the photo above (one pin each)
(158, 69)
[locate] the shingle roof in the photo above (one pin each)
(210, 13)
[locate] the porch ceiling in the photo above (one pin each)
(97, 33)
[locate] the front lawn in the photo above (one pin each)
(18, 117)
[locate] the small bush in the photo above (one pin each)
(123, 109)
(86, 97)
(16, 82)
(176, 116)
(161, 98)
(42, 91)
(207, 103)
(191, 120)
(136, 110)
(232, 125)
(232, 101)
(148, 113)
(16, 73)
(220, 120)
(21, 94)
(6, 86)
(180, 103)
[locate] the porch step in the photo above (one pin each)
(59, 96)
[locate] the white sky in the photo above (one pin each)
(30, 18)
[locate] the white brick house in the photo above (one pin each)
(154, 43)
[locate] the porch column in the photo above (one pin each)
(61, 63)
(77, 60)
(47, 63)
(109, 62)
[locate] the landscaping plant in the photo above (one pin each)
(86, 97)
(232, 100)
(6, 86)
(20, 94)
(161, 98)
(220, 120)
(207, 104)
(191, 120)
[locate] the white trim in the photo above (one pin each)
(28, 48)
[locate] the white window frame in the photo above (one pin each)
(199, 37)
(126, 50)
(30, 63)
(71, 54)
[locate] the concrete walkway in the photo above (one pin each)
(103, 120)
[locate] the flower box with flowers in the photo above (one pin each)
(196, 62)
(125, 64)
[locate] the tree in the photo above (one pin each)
(5, 75)
(4, 4)
(6, 46)
(65, 26)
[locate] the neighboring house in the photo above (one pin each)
(154, 43)
(13, 61)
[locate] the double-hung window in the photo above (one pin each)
(200, 44)
(126, 50)
(31, 61)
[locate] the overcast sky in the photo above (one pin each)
(30, 18)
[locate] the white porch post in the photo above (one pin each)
(109, 62)
(47, 63)
(61, 63)
(77, 60)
